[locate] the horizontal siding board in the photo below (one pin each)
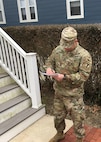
(11, 12)
(93, 10)
(53, 12)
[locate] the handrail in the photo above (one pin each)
(21, 66)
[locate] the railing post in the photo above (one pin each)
(32, 73)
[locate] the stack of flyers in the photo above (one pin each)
(53, 74)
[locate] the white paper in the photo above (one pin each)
(53, 74)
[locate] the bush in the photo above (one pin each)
(43, 39)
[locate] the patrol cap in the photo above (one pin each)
(69, 34)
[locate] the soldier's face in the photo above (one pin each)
(66, 44)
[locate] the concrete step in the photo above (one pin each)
(2, 70)
(5, 79)
(10, 128)
(9, 92)
(14, 106)
(16, 112)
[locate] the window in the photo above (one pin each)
(27, 10)
(2, 14)
(75, 9)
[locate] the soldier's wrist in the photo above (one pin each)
(66, 77)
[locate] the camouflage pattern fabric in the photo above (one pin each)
(73, 106)
(69, 34)
(76, 65)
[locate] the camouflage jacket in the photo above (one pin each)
(76, 65)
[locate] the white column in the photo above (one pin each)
(33, 80)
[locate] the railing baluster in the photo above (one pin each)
(10, 58)
(15, 65)
(7, 53)
(19, 66)
(3, 51)
(23, 71)
(1, 54)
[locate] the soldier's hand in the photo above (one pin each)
(49, 71)
(59, 77)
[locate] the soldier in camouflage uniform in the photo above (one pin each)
(73, 65)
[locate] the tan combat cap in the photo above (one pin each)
(69, 34)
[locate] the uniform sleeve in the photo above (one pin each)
(84, 70)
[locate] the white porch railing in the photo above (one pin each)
(21, 66)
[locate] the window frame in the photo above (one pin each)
(3, 13)
(28, 14)
(69, 16)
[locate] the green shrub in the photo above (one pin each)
(42, 40)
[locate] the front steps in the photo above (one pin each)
(21, 121)
(16, 112)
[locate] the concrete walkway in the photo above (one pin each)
(40, 131)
